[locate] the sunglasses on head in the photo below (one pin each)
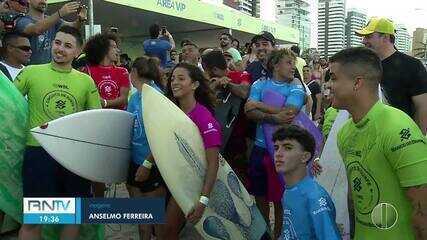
(23, 3)
(23, 48)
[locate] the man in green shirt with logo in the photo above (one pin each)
(54, 90)
(384, 151)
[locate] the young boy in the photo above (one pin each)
(308, 211)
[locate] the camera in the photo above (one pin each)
(8, 19)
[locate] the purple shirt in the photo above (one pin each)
(209, 128)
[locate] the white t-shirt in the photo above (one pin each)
(12, 70)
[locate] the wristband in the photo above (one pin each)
(147, 164)
(204, 200)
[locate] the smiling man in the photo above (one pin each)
(54, 90)
(265, 43)
(384, 152)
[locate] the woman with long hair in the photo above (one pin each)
(188, 88)
(144, 70)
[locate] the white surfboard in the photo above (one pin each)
(93, 144)
(177, 147)
(334, 177)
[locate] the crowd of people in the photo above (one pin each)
(60, 74)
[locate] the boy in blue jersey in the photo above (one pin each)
(308, 211)
(264, 182)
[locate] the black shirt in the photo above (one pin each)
(314, 89)
(257, 71)
(403, 78)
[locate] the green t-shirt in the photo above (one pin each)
(54, 93)
(329, 119)
(384, 153)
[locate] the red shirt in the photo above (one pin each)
(238, 77)
(109, 80)
(239, 130)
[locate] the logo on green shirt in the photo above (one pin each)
(405, 134)
(366, 193)
(59, 103)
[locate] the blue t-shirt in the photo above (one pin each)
(257, 71)
(158, 48)
(294, 94)
(308, 212)
(140, 147)
(41, 45)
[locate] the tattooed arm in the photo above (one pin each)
(418, 197)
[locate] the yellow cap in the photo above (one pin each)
(380, 25)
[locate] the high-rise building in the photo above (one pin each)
(419, 43)
(248, 7)
(268, 10)
(256, 8)
(331, 26)
(245, 6)
(356, 20)
(296, 14)
(403, 39)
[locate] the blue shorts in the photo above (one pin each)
(42, 176)
(257, 172)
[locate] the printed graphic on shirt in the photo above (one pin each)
(405, 139)
(211, 128)
(366, 193)
(43, 43)
(322, 206)
(137, 127)
(109, 88)
(289, 232)
(59, 103)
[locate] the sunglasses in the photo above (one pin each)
(23, 3)
(223, 39)
(23, 48)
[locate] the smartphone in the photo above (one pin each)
(163, 30)
(114, 30)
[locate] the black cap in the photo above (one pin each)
(266, 36)
(189, 43)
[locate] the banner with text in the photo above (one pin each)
(93, 210)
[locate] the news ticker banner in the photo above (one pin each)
(93, 210)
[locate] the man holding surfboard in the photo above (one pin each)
(264, 181)
(384, 151)
(54, 90)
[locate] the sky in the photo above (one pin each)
(410, 13)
